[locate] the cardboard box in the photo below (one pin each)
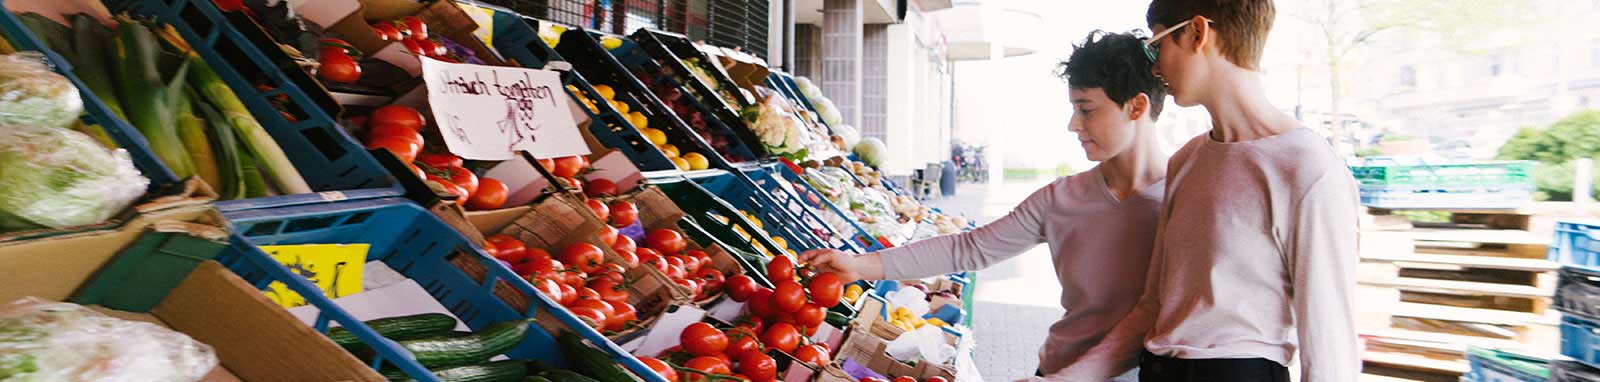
(255, 339)
(866, 349)
(869, 321)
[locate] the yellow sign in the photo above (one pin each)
(335, 268)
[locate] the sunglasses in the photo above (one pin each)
(1152, 49)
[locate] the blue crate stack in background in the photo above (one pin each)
(1577, 247)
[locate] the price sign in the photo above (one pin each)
(492, 112)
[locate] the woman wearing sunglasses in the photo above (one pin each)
(1256, 247)
(1099, 224)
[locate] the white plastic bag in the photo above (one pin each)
(42, 341)
(926, 343)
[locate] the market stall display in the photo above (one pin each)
(301, 129)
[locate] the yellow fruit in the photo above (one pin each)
(853, 289)
(904, 326)
(672, 152)
(937, 322)
(610, 43)
(902, 312)
(918, 322)
(655, 136)
(605, 91)
(589, 104)
(622, 107)
(683, 165)
(697, 161)
(638, 120)
(776, 239)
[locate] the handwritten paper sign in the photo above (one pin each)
(492, 112)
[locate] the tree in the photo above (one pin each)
(1344, 27)
(1573, 137)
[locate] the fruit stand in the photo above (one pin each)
(290, 167)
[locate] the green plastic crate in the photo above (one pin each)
(1502, 173)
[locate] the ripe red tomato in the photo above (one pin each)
(464, 178)
(404, 116)
(741, 287)
(758, 366)
(608, 235)
(788, 295)
(760, 303)
(781, 336)
(493, 252)
(613, 276)
(599, 187)
(740, 341)
(595, 303)
(701, 256)
(381, 131)
(690, 263)
(542, 266)
(628, 257)
(574, 277)
(666, 371)
(569, 294)
(810, 316)
(676, 272)
(872, 379)
(432, 160)
(616, 268)
(652, 258)
(609, 290)
(702, 339)
(415, 27)
(625, 244)
(623, 214)
(599, 208)
(753, 324)
(904, 379)
(572, 182)
(404, 148)
(412, 46)
(665, 240)
(448, 186)
(710, 365)
(387, 31)
(586, 257)
(675, 261)
(595, 318)
(826, 289)
(567, 167)
(551, 289)
(491, 195)
(547, 164)
(507, 246)
(935, 379)
(814, 354)
(586, 293)
(692, 286)
(428, 47)
(711, 280)
(622, 314)
(780, 268)
(340, 68)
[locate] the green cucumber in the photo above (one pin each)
(558, 375)
(397, 328)
(478, 347)
(838, 320)
(590, 361)
(497, 371)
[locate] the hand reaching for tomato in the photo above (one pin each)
(848, 267)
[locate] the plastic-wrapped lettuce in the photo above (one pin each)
(61, 178)
(42, 341)
(32, 95)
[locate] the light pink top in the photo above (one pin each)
(1101, 248)
(1256, 258)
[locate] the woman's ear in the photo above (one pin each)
(1137, 106)
(1201, 34)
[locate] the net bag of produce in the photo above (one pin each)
(61, 178)
(42, 341)
(32, 95)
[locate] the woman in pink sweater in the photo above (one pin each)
(1099, 224)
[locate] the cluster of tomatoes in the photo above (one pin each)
(788, 301)
(336, 61)
(577, 278)
(737, 352)
(399, 129)
(412, 33)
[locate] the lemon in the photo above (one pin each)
(638, 120)
(683, 165)
(655, 136)
(605, 91)
(672, 152)
(937, 322)
(777, 239)
(610, 43)
(902, 312)
(589, 104)
(697, 161)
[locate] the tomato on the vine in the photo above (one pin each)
(788, 295)
(403, 116)
(665, 240)
(600, 187)
(608, 235)
(550, 289)
(403, 147)
(622, 314)
(609, 290)
(904, 379)
(628, 257)
(707, 364)
(753, 324)
(814, 354)
(625, 244)
(691, 285)
(624, 214)
(464, 178)
(711, 280)
(702, 339)
(781, 336)
(567, 167)
(741, 340)
(758, 366)
(586, 293)
(584, 256)
(810, 315)
(415, 28)
(666, 371)
(435, 160)
(760, 303)
(491, 195)
(780, 268)
(826, 289)
(741, 287)
(599, 208)
(412, 46)
(340, 68)
(595, 317)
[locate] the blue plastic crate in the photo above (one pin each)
(716, 216)
(1499, 366)
(809, 194)
(327, 157)
(409, 239)
(636, 57)
(781, 183)
(1569, 371)
(1577, 292)
(743, 194)
(1580, 339)
(1577, 245)
(124, 134)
